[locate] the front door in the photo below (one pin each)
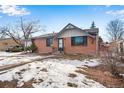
(60, 44)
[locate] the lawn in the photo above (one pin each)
(52, 72)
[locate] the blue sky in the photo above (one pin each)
(55, 17)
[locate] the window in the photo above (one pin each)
(49, 41)
(79, 40)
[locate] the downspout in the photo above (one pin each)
(97, 44)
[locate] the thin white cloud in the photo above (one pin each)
(118, 13)
(13, 10)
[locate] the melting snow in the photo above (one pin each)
(78, 63)
(56, 75)
(12, 58)
(9, 54)
(48, 73)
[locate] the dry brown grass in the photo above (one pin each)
(8, 84)
(13, 84)
(76, 56)
(28, 84)
(104, 77)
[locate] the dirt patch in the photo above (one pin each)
(13, 84)
(8, 84)
(28, 84)
(37, 67)
(72, 84)
(107, 68)
(103, 77)
(72, 75)
(44, 70)
(23, 70)
(76, 56)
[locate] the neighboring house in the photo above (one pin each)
(117, 46)
(6, 43)
(70, 40)
(121, 46)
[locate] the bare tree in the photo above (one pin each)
(111, 60)
(115, 29)
(5, 31)
(22, 30)
(28, 28)
(111, 56)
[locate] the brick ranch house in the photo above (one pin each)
(70, 40)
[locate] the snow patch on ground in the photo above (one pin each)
(56, 74)
(122, 75)
(6, 59)
(12, 58)
(9, 54)
(50, 73)
(78, 63)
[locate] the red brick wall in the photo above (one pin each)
(55, 44)
(89, 49)
(41, 46)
